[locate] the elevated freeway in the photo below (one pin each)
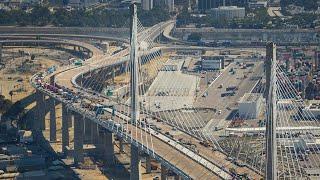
(168, 152)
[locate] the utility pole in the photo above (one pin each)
(270, 95)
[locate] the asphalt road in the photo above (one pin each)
(214, 99)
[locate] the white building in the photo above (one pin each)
(147, 4)
(105, 46)
(212, 62)
(250, 105)
(82, 3)
(229, 12)
(257, 4)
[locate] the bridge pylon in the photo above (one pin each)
(135, 163)
(271, 111)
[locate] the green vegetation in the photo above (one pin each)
(194, 37)
(157, 14)
(307, 4)
(259, 20)
(255, 19)
(304, 20)
(41, 16)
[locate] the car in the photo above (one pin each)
(219, 112)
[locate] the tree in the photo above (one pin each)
(194, 37)
(40, 16)
(33, 56)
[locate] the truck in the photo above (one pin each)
(231, 93)
(232, 88)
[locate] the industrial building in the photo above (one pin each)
(204, 5)
(212, 62)
(228, 12)
(147, 4)
(250, 105)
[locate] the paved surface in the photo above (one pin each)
(214, 99)
(171, 90)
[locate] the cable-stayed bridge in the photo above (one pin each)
(290, 144)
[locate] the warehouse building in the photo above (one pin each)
(250, 105)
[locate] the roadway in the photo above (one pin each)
(228, 103)
(204, 165)
(176, 156)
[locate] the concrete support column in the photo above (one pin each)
(94, 133)
(40, 98)
(0, 52)
(148, 164)
(108, 147)
(52, 80)
(121, 145)
(87, 130)
(53, 126)
(163, 172)
(113, 74)
(78, 138)
(70, 119)
(177, 177)
(135, 164)
(65, 128)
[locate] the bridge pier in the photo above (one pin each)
(94, 133)
(40, 98)
(135, 163)
(78, 138)
(66, 117)
(87, 130)
(177, 177)
(53, 127)
(0, 53)
(164, 171)
(113, 74)
(148, 164)
(108, 147)
(121, 145)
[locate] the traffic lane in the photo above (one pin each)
(170, 153)
(148, 138)
(244, 86)
(214, 156)
(214, 98)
